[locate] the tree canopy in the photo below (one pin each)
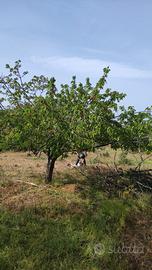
(36, 116)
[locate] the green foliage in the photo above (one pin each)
(75, 117)
(136, 132)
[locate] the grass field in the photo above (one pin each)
(79, 222)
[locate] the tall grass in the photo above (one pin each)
(32, 239)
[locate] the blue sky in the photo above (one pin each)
(62, 38)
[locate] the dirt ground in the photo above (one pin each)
(21, 166)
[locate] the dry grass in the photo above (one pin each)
(20, 166)
(138, 234)
(17, 169)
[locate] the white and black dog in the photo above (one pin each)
(81, 160)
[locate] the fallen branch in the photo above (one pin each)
(145, 186)
(25, 182)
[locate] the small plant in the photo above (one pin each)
(95, 160)
(123, 160)
(106, 154)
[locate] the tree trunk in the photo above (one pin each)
(50, 168)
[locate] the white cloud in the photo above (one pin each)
(91, 67)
